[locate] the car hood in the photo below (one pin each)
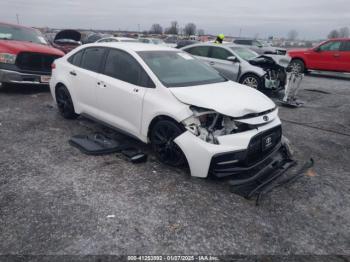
(68, 34)
(228, 98)
(269, 60)
(14, 47)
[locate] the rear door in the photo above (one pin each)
(345, 56)
(219, 61)
(83, 76)
(201, 52)
(121, 88)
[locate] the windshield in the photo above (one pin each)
(179, 69)
(8, 32)
(244, 53)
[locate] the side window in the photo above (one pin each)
(91, 59)
(76, 58)
(330, 46)
(220, 53)
(345, 46)
(123, 66)
(199, 51)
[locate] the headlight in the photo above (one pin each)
(7, 58)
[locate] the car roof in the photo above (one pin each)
(134, 46)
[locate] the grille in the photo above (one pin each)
(245, 161)
(257, 149)
(35, 62)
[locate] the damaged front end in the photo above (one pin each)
(254, 169)
(208, 125)
(275, 67)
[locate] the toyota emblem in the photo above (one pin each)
(266, 118)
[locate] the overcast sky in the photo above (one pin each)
(313, 19)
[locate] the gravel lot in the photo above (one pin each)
(55, 200)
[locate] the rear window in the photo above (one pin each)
(199, 51)
(91, 59)
(76, 58)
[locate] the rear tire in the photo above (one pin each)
(298, 66)
(252, 81)
(65, 103)
(162, 138)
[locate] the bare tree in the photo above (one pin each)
(173, 29)
(190, 29)
(292, 35)
(333, 34)
(200, 32)
(344, 32)
(156, 29)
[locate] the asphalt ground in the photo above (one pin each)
(55, 200)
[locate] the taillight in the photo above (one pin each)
(53, 66)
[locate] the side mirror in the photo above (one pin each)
(317, 49)
(232, 59)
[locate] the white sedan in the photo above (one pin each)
(166, 97)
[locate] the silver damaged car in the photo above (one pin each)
(239, 64)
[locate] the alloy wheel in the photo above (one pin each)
(251, 82)
(65, 103)
(164, 146)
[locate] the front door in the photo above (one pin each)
(326, 56)
(120, 91)
(219, 61)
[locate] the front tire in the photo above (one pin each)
(252, 81)
(297, 66)
(65, 103)
(162, 138)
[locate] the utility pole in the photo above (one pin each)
(240, 32)
(139, 27)
(17, 17)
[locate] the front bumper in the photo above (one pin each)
(231, 152)
(9, 76)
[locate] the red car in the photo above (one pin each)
(25, 55)
(331, 55)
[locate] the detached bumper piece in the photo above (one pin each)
(269, 177)
(100, 144)
(96, 144)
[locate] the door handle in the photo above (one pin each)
(336, 55)
(135, 90)
(73, 73)
(211, 63)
